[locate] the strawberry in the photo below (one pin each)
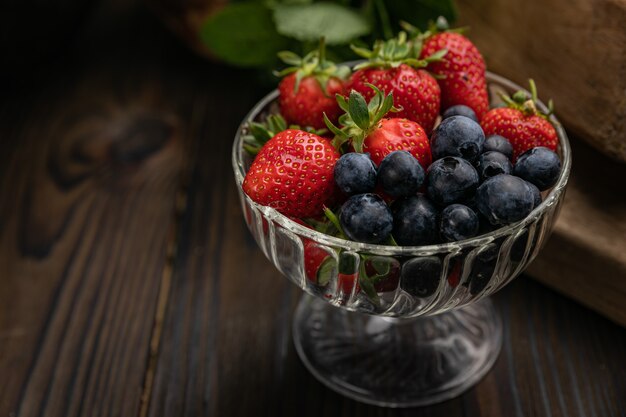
(398, 134)
(308, 88)
(454, 274)
(391, 68)
(384, 275)
(460, 73)
(522, 123)
(347, 281)
(293, 173)
(317, 263)
(367, 131)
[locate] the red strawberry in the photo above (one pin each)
(293, 173)
(522, 123)
(347, 281)
(390, 68)
(460, 73)
(367, 131)
(454, 276)
(309, 89)
(398, 134)
(416, 91)
(318, 263)
(315, 260)
(384, 275)
(306, 105)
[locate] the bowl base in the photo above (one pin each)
(397, 362)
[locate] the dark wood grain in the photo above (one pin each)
(129, 285)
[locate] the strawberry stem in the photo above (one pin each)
(361, 118)
(312, 64)
(528, 105)
(335, 221)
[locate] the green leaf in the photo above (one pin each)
(419, 12)
(326, 271)
(341, 101)
(358, 110)
(260, 132)
(367, 285)
(308, 22)
(382, 266)
(334, 220)
(243, 34)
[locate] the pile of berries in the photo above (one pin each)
(403, 149)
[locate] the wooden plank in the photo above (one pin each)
(586, 256)
(91, 167)
(576, 52)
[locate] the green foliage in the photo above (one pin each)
(308, 22)
(244, 34)
(249, 33)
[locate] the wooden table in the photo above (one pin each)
(129, 285)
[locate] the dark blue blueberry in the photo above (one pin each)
(415, 221)
(355, 173)
(458, 136)
(420, 276)
(504, 199)
(451, 180)
(483, 269)
(366, 218)
(493, 163)
(500, 144)
(536, 194)
(540, 166)
(460, 110)
(458, 222)
(400, 174)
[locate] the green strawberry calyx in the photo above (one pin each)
(314, 64)
(528, 104)
(257, 134)
(360, 118)
(417, 37)
(393, 53)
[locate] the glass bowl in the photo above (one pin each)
(399, 326)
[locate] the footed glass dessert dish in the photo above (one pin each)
(399, 326)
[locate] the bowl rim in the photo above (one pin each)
(388, 250)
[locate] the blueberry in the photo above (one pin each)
(458, 136)
(400, 174)
(483, 269)
(504, 199)
(539, 166)
(500, 144)
(536, 194)
(366, 218)
(420, 276)
(415, 221)
(355, 173)
(458, 222)
(451, 180)
(493, 163)
(460, 110)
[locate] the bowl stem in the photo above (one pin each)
(397, 362)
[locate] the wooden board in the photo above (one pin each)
(575, 51)
(91, 162)
(586, 256)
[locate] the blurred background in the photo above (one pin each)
(128, 282)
